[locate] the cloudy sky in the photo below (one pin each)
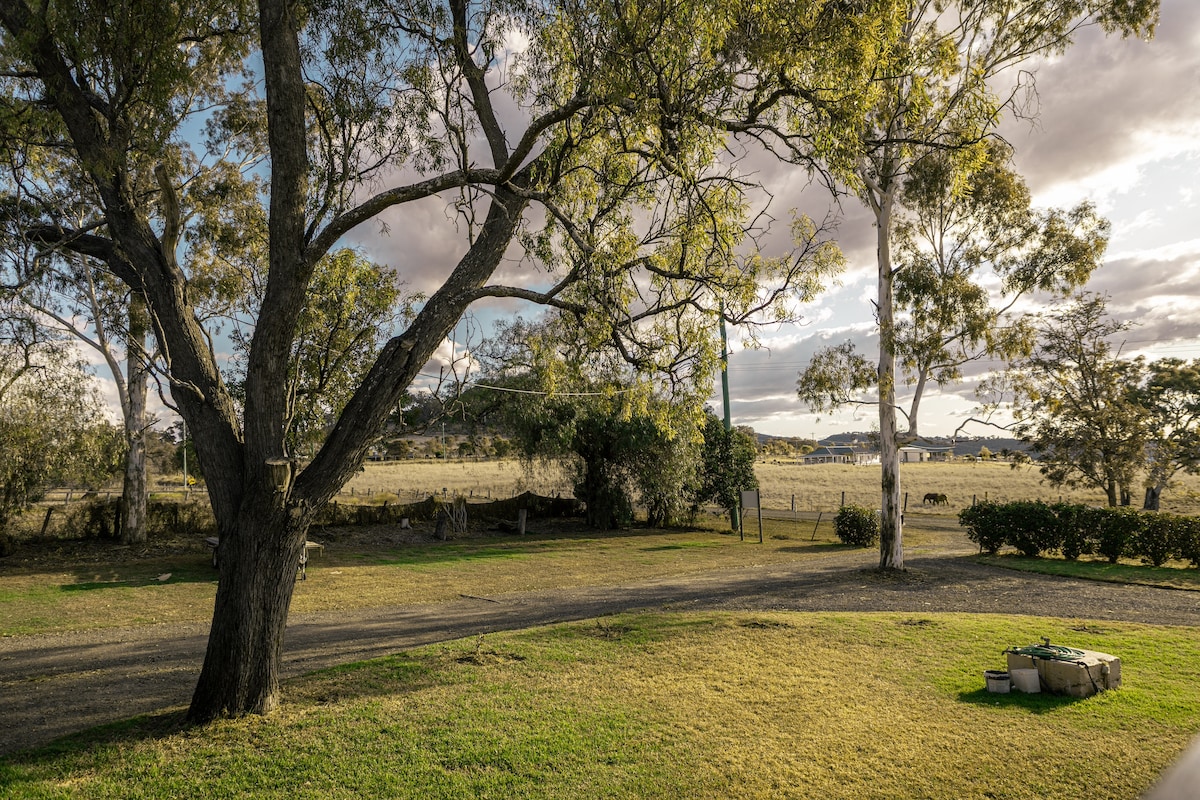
(1120, 126)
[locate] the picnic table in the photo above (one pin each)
(301, 568)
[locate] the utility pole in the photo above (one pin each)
(735, 521)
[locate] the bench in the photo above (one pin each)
(302, 568)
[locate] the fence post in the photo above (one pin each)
(843, 500)
(793, 502)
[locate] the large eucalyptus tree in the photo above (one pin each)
(580, 142)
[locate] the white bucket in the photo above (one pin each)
(1026, 680)
(997, 681)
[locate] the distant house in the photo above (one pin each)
(916, 453)
(834, 454)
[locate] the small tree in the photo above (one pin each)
(52, 426)
(727, 464)
(1170, 393)
(1072, 402)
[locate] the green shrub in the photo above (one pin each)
(1075, 527)
(1031, 527)
(982, 523)
(189, 518)
(92, 518)
(1159, 539)
(857, 526)
(1189, 539)
(1115, 531)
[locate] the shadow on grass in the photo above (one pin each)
(440, 555)
(818, 547)
(509, 547)
(679, 546)
(1037, 703)
(112, 735)
(188, 574)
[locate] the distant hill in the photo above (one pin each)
(965, 445)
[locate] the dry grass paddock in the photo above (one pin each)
(816, 487)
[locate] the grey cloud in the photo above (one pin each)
(1096, 100)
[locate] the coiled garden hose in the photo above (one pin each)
(1053, 652)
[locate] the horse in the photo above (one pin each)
(933, 498)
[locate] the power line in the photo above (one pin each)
(533, 391)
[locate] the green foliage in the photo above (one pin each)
(1075, 526)
(727, 464)
(982, 522)
(857, 526)
(1073, 402)
(1159, 539)
(556, 396)
(52, 427)
(1170, 392)
(351, 307)
(1189, 539)
(1115, 531)
(1032, 527)
(1073, 530)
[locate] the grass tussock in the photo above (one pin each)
(675, 705)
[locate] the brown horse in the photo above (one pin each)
(933, 498)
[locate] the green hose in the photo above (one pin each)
(1053, 652)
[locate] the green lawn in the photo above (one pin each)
(672, 706)
(1174, 575)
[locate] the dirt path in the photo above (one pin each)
(53, 685)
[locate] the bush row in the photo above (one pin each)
(1073, 530)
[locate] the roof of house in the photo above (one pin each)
(826, 452)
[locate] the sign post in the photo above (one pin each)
(750, 499)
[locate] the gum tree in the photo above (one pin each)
(968, 249)
(578, 142)
(939, 96)
(1077, 403)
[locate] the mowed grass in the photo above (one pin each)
(1174, 575)
(356, 575)
(762, 705)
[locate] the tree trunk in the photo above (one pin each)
(134, 492)
(891, 541)
(1110, 490)
(1153, 496)
(258, 564)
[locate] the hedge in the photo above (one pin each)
(1073, 530)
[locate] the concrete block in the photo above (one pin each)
(1093, 672)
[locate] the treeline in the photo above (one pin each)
(1073, 530)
